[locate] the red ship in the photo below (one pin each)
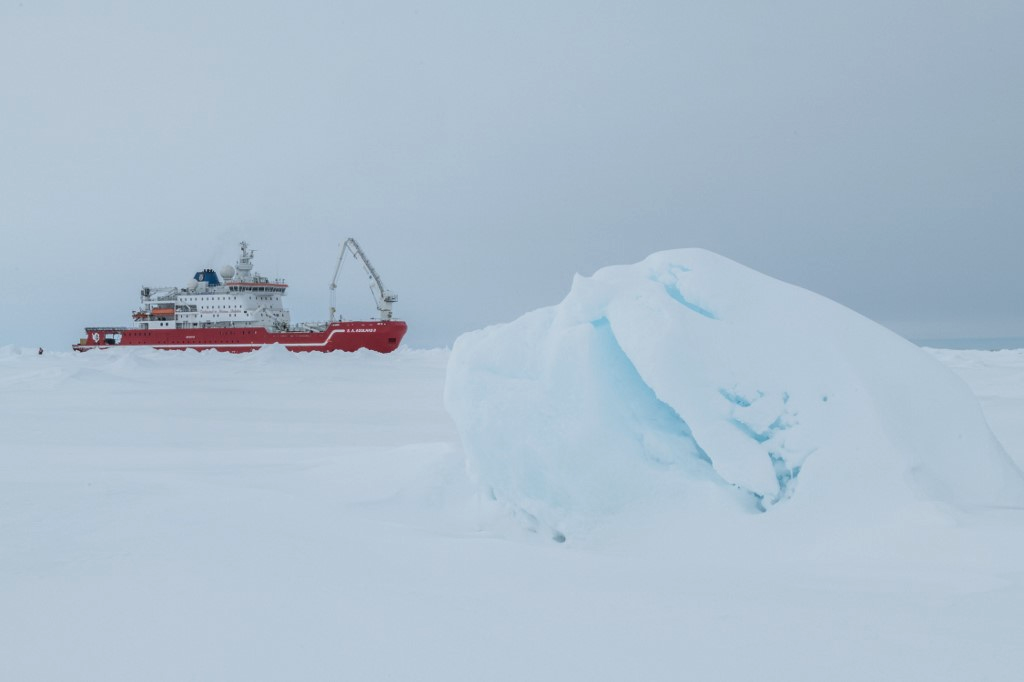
(240, 311)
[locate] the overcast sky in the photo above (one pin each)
(484, 152)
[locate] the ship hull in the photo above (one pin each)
(382, 337)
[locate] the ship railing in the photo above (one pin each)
(308, 327)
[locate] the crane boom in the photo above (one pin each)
(381, 295)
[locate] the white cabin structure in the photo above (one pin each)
(239, 297)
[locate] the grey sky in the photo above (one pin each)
(484, 152)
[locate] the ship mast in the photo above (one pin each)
(243, 267)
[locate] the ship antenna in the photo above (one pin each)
(244, 264)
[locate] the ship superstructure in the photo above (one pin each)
(240, 310)
(243, 298)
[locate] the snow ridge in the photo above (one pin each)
(689, 377)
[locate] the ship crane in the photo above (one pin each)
(381, 295)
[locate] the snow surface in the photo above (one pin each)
(184, 516)
(688, 377)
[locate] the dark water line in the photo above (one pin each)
(1001, 343)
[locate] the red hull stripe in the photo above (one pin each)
(345, 336)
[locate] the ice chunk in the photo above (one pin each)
(689, 373)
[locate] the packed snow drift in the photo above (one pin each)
(691, 378)
(306, 516)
